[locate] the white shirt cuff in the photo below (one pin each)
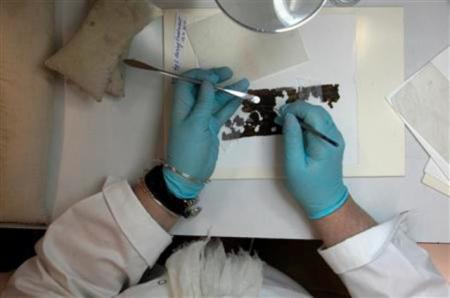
(147, 237)
(362, 248)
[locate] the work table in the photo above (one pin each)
(245, 208)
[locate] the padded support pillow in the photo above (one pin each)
(91, 57)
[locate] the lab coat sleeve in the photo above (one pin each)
(384, 262)
(96, 248)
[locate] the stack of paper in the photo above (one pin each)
(423, 103)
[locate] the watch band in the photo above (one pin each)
(154, 180)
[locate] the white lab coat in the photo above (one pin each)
(104, 244)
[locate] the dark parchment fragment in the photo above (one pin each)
(258, 119)
(327, 93)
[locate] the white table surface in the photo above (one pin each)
(227, 204)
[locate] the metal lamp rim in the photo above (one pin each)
(281, 30)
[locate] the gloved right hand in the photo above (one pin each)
(198, 114)
(312, 166)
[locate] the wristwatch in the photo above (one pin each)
(154, 180)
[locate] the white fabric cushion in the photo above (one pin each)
(116, 83)
(92, 55)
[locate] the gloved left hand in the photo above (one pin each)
(197, 116)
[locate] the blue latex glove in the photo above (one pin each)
(197, 116)
(313, 167)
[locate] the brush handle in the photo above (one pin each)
(312, 130)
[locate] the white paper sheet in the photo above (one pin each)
(261, 155)
(422, 102)
(218, 41)
(380, 65)
(118, 138)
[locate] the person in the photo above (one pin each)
(102, 245)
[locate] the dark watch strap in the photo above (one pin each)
(154, 180)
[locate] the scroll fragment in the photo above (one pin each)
(259, 119)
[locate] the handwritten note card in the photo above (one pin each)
(180, 36)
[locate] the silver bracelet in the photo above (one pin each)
(184, 175)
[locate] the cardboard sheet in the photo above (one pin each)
(436, 184)
(432, 169)
(113, 137)
(379, 69)
(435, 178)
(27, 92)
(218, 41)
